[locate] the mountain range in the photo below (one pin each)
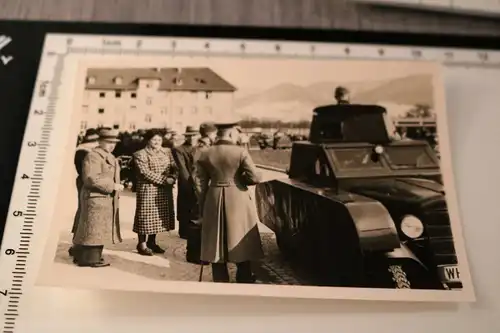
(294, 102)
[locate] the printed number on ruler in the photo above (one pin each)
(9, 252)
(4, 41)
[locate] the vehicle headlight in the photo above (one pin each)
(412, 227)
(379, 149)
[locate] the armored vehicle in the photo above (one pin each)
(359, 209)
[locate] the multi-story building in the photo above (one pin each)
(138, 98)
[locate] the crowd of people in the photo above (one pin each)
(214, 210)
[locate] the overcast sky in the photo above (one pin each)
(258, 74)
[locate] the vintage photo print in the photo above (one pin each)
(288, 177)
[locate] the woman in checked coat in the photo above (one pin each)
(156, 176)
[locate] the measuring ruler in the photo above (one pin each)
(27, 197)
(32, 203)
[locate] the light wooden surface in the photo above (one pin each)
(283, 13)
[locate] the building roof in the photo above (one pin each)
(178, 79)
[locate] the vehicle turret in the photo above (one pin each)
(349, 123)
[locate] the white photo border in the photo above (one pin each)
(62, 142)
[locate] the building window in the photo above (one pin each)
(118, 94)
(102, 94)
(116, 126)
(179, 110)
(131, 126)
(100, 125)
(148, 85)
(208, 94)
(83, 125)
(149, 100)
(118, 80)
(194, 110)
(148, 118)
(164, 111)
(85, 109)
(91, 80)
(133, 95)
(100, 110)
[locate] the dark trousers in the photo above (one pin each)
(193, 246)
(184, 228)
(88, 255)
(243, 272)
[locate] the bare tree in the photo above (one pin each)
(419, 111)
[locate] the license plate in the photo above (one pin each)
(449, 273)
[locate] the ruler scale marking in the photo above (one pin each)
(30, 212)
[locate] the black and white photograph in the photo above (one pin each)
(303, 175)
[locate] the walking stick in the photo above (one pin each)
(201, 271)
(197, 223)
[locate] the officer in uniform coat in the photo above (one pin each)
(89, 142)
(99, 217)
(229, 231)
(187, 205)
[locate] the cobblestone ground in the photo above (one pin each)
(273, 269)
(173, 266)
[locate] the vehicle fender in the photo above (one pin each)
(376, 230)
(374, 225)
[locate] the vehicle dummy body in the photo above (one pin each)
(360, 209)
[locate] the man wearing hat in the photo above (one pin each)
(228, 214)
(88, 143)
(186, 197)
(99, 219)
(168, 138)
(208, 133)
(342, 95)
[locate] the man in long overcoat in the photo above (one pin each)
(187, 203)
(168, 138)
(88, 143)
(208, 133)
(99, 217)
(228, 215)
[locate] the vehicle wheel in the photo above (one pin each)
(399, 277)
